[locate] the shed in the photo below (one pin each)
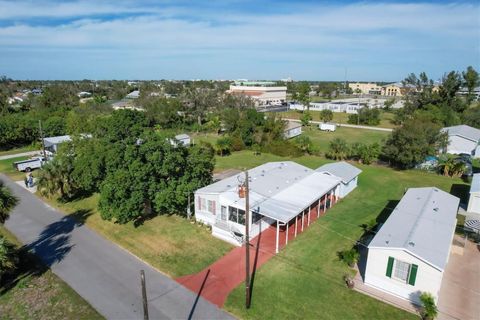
(463, 139)
(183, 139)
(474, 200)
(346, 172)
(52, 143)
(410, 252)
(292, 129)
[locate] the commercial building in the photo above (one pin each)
(409, 254)
(463, 139)
(282, 194)
(263, 92)
(365, 88)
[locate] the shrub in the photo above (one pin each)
(430, 310)
(283, 149)
(237, 144)
(350, 257)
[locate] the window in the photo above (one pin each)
(236, 215)
(401, 270)
(201, 204)
(211, 206)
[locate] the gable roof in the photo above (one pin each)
(342, 169)
(423, 224)
(182, 136)
(463, 131)
(292, 125)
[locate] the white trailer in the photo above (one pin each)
(327, 126)
(30, 164)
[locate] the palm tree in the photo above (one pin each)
(338, 149)
(224, 145)
(54, 178)
(8, 258)
(7, 202)
(451, 166)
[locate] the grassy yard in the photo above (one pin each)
(6, 166)
(305, 281)
(321, 139)
(171, 244)
(39, 294)
(340, 117)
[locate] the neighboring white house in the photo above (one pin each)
(463, 139)
(133, 95)
(280, 194)
(474, 200)
(332, 106)
(292, 129)
(183, 139)
(410, 252)
(52, 143)
(345, 171)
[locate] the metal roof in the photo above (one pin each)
(292, 125)
(342, 169)
(182, 136)
(463, 131)
(279, 190)
(475, 187)
(50, 141)
(423, 223)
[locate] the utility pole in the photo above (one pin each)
(144, 295)
(247, 243)
(43, 141)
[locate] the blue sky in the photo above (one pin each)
(231, 39)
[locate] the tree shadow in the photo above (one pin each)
(255, 261)
(51, 247)
(462, 191)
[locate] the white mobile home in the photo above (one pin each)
(410, 252)
(292, 129)
(345, 171)
(474, 200)
(280, 192)
(463, 139)
(183, 139)
(52, 143)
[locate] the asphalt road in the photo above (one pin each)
(102, 273)
(22, 154)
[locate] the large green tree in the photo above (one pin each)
(7, 202)
(471, 81)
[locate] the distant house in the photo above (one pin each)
(463, 139)
(84, 94)
(348, 173)
(409, 254)
(183, 139)
(292, 129)
(474, 200)
(133, 95)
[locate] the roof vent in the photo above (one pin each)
(435, 209)
(228, 185)
(411, 243)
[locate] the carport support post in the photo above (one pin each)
(303, 215)
(318, 207)
(296, 219)
(286, 236)
(276, 243)
(309, 211)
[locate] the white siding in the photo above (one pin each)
(474, 203)
(346, 188)
(428, 278)
(202, 214)
(293, 132)
(458, 145)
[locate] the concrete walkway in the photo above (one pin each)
(348, 125)
(224, 275)
(105, 275)
(23, 154)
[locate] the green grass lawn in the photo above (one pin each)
(304, 281)
(19, 150)
(170, 243)
(321, 139)
(340, 117)
(40, 294)
(6, 166)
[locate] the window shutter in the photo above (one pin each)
(390, 267)
(413, 274)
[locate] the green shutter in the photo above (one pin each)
(413, 274)
(390, 266)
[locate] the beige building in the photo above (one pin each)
(365, 88)
(263, 92)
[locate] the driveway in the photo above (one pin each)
(23, 154)
(105, 275)
(459, 296)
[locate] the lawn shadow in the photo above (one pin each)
(51, 247)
